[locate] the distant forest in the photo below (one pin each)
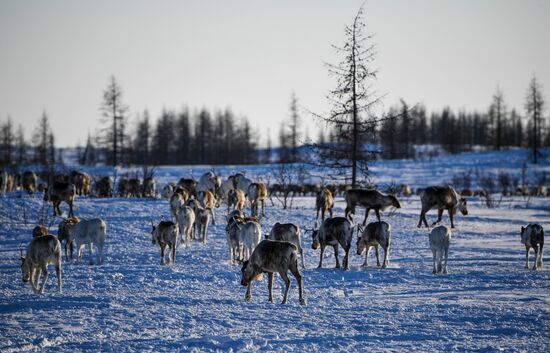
(219, 138)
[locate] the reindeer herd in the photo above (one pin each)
(192, 203)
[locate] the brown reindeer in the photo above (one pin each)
(371, 200)
(441, 198)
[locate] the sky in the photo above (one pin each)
(250, 56)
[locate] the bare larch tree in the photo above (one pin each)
(497, 116)
(352, 117)
(534, 105)
(114, 111)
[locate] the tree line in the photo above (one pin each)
(203, 137)
(15, 150)
(497, 128)
(175, 138)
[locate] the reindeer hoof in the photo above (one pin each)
(303, 302)
(434, 272)
(445, 271)
(247, 298)
(383, 266)
(283, 302)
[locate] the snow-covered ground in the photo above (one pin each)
(487, 302)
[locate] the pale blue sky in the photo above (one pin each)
(251, 55)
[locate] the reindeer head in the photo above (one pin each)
(250, 272)
(462, 206)
(315, 237)
(25, 267)
(394, 201)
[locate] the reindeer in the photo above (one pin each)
(235, 199)
(288, 232)
(442, 198)
(28, 181)
(208, 201)
(63, 234)
(88, 232)
(440, 238)
(532, 236)
(166, 236)
(59, 192)
(370, 199)
(333, 231)
(375, 234)
(324, 202)
(41, 252)
(186, 220)
(257, 192)
(104, 187)
(270, 257)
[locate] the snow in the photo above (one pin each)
(487, 302)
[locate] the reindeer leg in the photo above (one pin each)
(386, 260)
(79, 255)
(317, 216)
(366, 263)
(446, 258)
(377, 248)
(100, 253)
(425, 220)
(248, 294)
(302, 257)
(421, 219)
(270, 286)
(58, 274)
(322, 255)
(539, 262)
(346, 257)
(162, 255)
(213, 217)
(435, 261)
(174, 253)
(287, 284)
(336, 256)
(366, 215)
(263, 214)
(527, 248)
(451, 217)
(294, 269)
(377, 213)
(72, 249)
(536, 248)
(439, 217)
(90, 247)
(45, 270)
(35, 277)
